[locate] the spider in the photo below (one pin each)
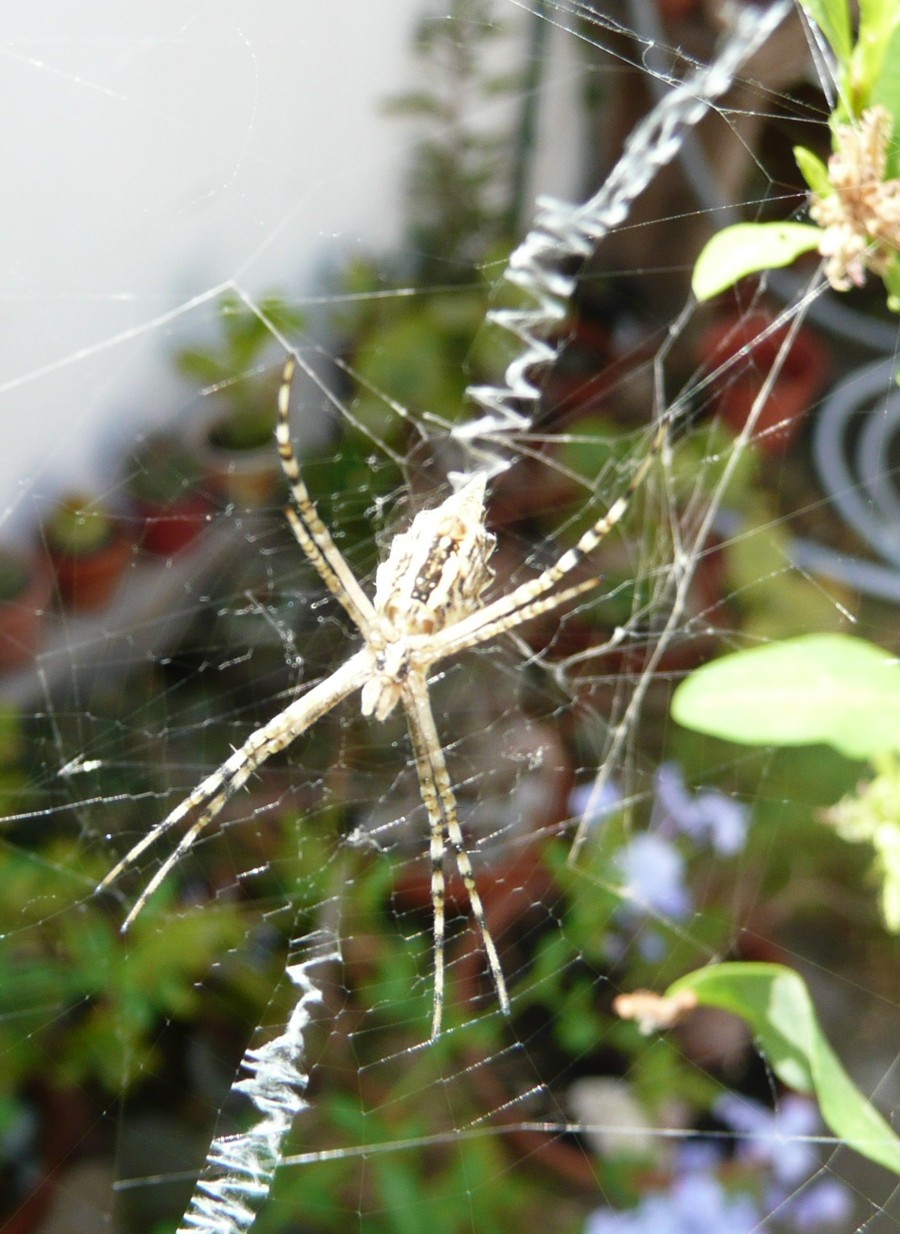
(427, 607)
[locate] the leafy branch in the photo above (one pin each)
(854, 198)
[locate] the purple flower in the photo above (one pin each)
(822, 1204)
(708, 817)
(778, 1138)
(779, 1141)
(652, 946)
(591, 806)
(652, 871)
(698, 1155)
(695, 1204)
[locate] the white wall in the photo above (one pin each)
(153, 152)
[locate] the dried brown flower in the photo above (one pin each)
(654, 1012)
(861, 218)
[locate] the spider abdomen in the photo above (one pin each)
(436, 571)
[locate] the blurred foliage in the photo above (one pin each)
(79, 1002)
(162, 469)
(871, 815)
(15, 575)
(852, 196)
(236, 369)
(414, 329)
(460, 180)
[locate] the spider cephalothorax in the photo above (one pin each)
(427, 606)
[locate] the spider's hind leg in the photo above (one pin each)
(440, 803)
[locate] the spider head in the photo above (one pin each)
(436, 571)
(381, 693)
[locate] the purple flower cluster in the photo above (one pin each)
(777, 1147)
(695, 1202)
(781, 1141)
(708, 816)
(651, 868)
(777, 1139)
(778, 1142)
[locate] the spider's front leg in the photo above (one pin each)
(440, 804)
(212, 793)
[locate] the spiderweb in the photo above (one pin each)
(273, 999)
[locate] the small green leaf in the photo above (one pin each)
(891, 280)
(815, 688)
(813, 170)
(873, 66)
(887, 93)
(775, 1002)
(871, 815)
(833, 19)
(747, 248)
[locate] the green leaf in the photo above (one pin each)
(873, 67)
(891, 280)
(815, 688)
(776, 603)
(747, 248)
(813, 170)
(775, 1002)
(886, 91)
(833, 19)
(871, 815)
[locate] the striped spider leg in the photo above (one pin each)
(426, 607)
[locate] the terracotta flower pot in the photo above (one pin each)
(88, 550)
(88, 581)
(168, 529)
(164, 478)
(803, 376)
(246, 472)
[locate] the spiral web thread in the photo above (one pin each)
(240, 1168)
(562, 230)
